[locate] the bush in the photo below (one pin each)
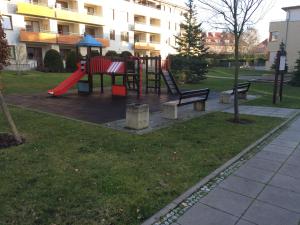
(53, 62)
(95, 53)
(126, 54)
(71, 62)
(296, 75)
(192, 69)
(111, 53)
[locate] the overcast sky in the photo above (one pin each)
(275, 13)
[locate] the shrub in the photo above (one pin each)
(194, 68)
(53, 62)
(71, 62)
(296, 75)
(111, 53)
(125, 54)
(95, 53)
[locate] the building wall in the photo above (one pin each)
(117, 15)
(288, 33)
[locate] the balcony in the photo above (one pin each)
(59, 14)
(144, 46)
(69, 15)
(35, 10)
(38, 37)
(147, 28)
(53, 38)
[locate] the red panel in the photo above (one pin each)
(119, 90)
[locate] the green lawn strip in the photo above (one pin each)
(291, 95)
(229, 72)
(75, 173)
(37, 82)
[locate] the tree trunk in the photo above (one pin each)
(9, 119)
(236, 79)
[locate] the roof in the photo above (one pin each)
(291, 7)
(89, 41)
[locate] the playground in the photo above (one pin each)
(69, 166)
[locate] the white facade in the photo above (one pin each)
(287, 32)
(140, 26)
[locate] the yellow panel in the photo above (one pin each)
(78, 17)
(35, 10)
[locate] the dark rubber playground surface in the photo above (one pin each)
(96, 108)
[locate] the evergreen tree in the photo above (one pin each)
(4, 50)
(296, 75)
(191, 41)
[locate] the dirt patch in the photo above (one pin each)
(8, 140)
(242, 121)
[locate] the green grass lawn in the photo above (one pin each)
(74, 173)
(291, 95)
(229, 72)
(37, 82)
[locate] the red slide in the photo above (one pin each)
(64, 86)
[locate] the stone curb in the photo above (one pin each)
(182, 197)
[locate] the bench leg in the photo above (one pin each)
(225, 98)
(169, 111)
(242, 95)
(199, 106)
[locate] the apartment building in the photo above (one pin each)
(142, 27)
(219, 42)
(287, 32)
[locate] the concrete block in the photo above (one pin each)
(225, 97)
(199, 106)
(242, 95)
(137, 116)
(169, 110)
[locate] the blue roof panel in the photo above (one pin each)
(89, 41)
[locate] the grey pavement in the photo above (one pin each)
(263, 191)
(264, 111)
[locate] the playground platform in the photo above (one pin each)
(95, 108)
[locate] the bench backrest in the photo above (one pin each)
(245, 86)
(194, 94)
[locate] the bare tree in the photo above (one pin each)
(233, 16)
(4, 56)
(249, 40)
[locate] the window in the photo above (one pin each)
(274, 36)
(125, 36)
(89, 10)
(32, 26)
(6, 22)
(127, 17)
(112, 35)
(90, 31)
(12, 52)
(62, 5)
(169, 25)
(63, 29)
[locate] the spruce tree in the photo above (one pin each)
(191, 42)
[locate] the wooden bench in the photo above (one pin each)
(196, 97)
(242, 89)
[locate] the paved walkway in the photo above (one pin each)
(264, 111)
(264, 191)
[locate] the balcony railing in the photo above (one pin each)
(56, 13)
(56, 38)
